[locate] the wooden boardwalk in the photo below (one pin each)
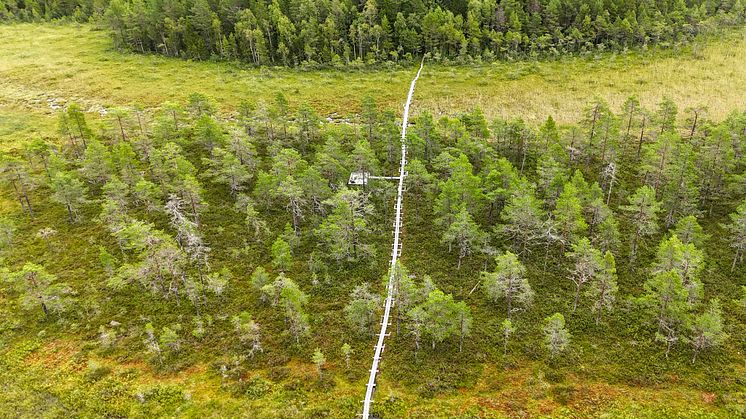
(395, 253)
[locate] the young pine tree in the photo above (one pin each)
(642, 213)
(588, 261)
(293, 301)
(668, 299)
(737, 232)
(603, 289)
(361, 312)
(508, 281)
(319, 360)
(248, 332)
(708, 330)
(556, 336)
(464, 233)
(40, 289)
(281, 256)
(69, 191)
(507, 328)
(568, 215)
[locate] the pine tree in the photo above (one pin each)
(588, 261)
(522, 217)
(345, 229)
(39, 288)
(680, 194)
(362, 309)
(97, 164)
(708, 330)
(281, 257)
(568, 215)
(689, 231)
(464, 233)
(737, 231)
(668, 299)
(463, 320)
(642, 212)
(507, 328)
(508, 281)
(68, 191)
(259, 278)
(346, 352)
(441, 320)
(292, 194)
(556, 336)
(254, 224)
(498, 185)
(293, 301)
(17, 174)
(686, 260)
(248, 332)
(419, 183)
(603, 289)
(319, 360)
(225, 168)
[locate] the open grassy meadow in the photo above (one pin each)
(47, 65)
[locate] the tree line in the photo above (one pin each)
(343, 32)
(587, 198)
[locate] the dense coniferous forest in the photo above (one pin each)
(341, 32)
(235, 242)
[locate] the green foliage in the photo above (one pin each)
(508, 282)
(362, 310)
(668, 300)
(149, 220)
(312, 32)
(345, 229)
(40, 289)
(708, 330)
(643, 215)
(69, 191)
(318, 359)
(281, 257)
(556, 336)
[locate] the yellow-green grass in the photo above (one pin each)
(55, 379)
(78, 63)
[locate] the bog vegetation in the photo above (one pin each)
(181, 238)
(166, 253)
